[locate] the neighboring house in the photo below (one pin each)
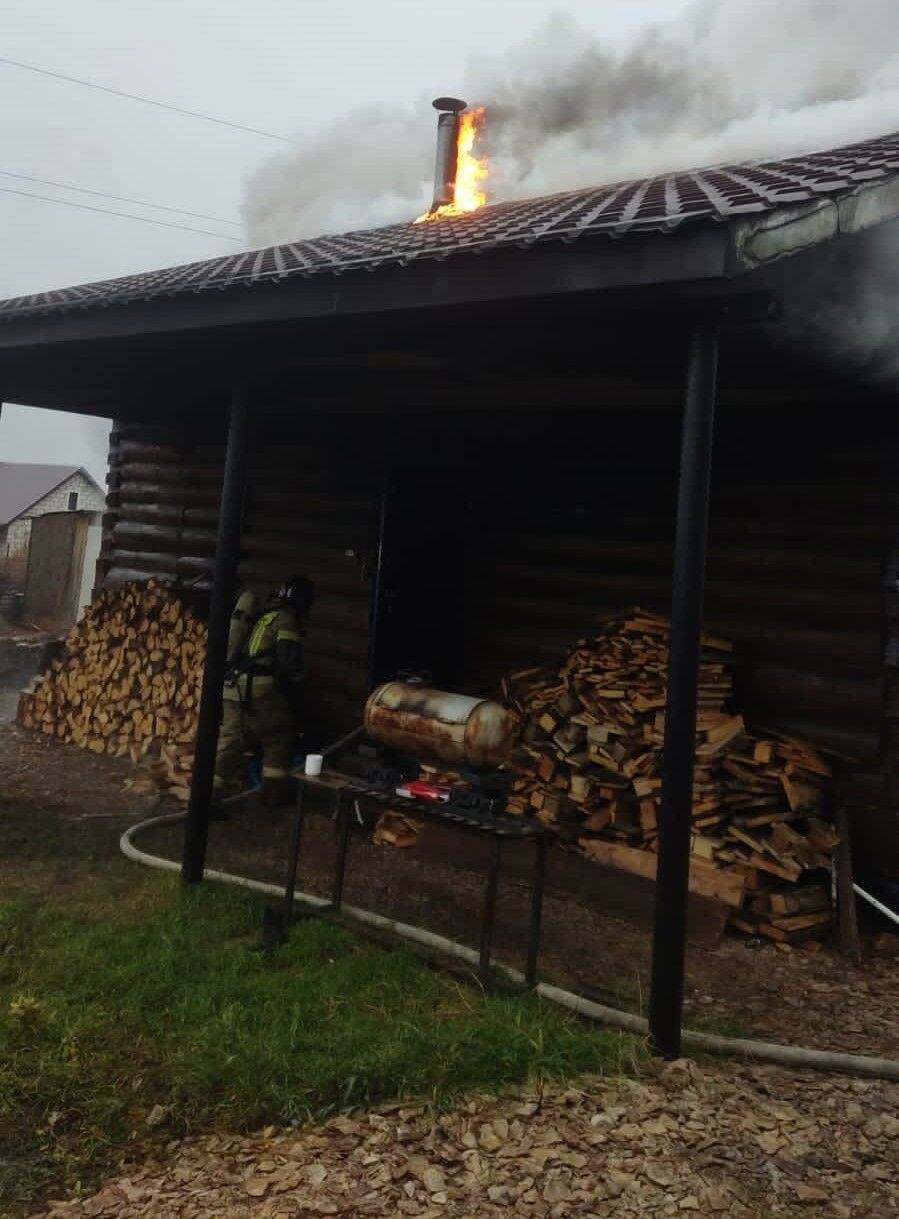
(27, 491)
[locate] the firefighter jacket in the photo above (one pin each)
(270, 662)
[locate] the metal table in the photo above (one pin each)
(345, 788)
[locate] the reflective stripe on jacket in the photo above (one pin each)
(273, 656)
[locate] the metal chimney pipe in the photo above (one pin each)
(447, 139)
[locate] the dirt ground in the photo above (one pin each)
(741, 986)
(16, 665)
(713, 1138)
(717, 1139)
(9, 701)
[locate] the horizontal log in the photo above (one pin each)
(162, 473)
(821, 693)
(340, 676)
(330, 640)
(144, 560)
(150, 514)
(169, 493)
(150, 472)
(151, 534)
(268, 574)
(812, 564)
(201, 516)
(331, 714)
(576, 594)
(194, 565)
(135, 452)
(117, 576)
(196, 540)
(282, 503)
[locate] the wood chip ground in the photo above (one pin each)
(720, 1139)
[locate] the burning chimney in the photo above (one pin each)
(448, 120)
(460, 173)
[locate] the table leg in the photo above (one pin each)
(344, 822)
(490, 908)
(293, 854)
(540, 845)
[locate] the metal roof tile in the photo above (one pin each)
(657, 204)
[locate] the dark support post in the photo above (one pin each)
(672, 874)
(496, 846)
(293, 853)
(850, 944)
(223, 589)
(530, 973)
(344, 822)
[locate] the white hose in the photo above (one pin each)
(879, 906)
(761, 1051)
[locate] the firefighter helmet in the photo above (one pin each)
(298, 593)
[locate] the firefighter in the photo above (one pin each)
(262, 687)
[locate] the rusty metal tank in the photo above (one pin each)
(436, 725)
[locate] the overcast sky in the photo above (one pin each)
(278, 65)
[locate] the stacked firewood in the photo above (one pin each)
(127, 685)
(590, 761)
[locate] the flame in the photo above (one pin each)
(471, 170)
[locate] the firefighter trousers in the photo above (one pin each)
(268, 725)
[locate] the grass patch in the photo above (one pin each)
(166, 1003)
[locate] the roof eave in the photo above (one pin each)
(692, 253)
(764, 239)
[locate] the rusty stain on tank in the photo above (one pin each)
(452, 728)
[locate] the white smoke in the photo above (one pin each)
(731, 80)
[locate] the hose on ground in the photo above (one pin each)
(710, 1043)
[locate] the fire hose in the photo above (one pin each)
(760, 1051)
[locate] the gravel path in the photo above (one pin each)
(720, 1139)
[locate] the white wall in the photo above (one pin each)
(91, 554)
(90, 499)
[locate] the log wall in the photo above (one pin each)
(560, 519)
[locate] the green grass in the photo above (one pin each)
(165, 1002)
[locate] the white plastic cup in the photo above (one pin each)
(314, 764)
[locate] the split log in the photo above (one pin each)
(127, 684)
(589, 763)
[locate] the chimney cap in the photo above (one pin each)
(453, 104)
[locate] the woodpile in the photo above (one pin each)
(590, 764)
(395, 829)
(127, 685)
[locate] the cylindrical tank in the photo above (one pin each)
(447, 149)
(432, 724)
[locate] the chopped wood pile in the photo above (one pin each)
(395, 829)
(127, 685)
(590, 761)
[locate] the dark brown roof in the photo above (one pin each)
(659, 204)
(23, 485)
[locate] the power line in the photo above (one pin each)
(82, 190)
(88, 207)
(148, 101)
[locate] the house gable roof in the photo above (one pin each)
(23, 485)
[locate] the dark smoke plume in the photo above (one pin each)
(731, 80)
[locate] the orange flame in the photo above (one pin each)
(471, 170)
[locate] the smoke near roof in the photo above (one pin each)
(731, 80)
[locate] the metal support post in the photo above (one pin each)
(224, 583)
(672, 874)
(496, 845)
(293, 853)
(850, 944)
(540, 847)
(344, 822)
